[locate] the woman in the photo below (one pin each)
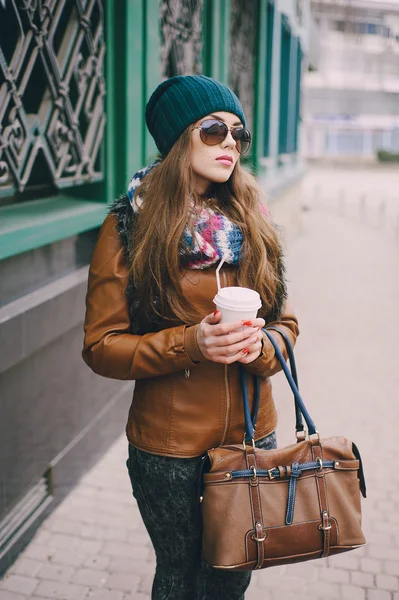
(150, 318)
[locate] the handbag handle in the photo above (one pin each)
(256, 402)
(290, 351)
(251, 419)
(299, 404)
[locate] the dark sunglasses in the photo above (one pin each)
(213, 132)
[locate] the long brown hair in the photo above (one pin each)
(167, 193)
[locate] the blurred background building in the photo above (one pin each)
(75, 76)
(352, 100)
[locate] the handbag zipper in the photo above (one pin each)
(226, 382)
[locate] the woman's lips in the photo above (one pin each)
(225, 160)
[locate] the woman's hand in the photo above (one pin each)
(230, 342)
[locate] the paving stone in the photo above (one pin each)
(392, 567)
(65, 557)
(62, 525)
(62, 573)
(90, 577)
(99, 562)
(139, 596)
(364, 580)
(89, 546)
(387, 582)
(124, 550)
(334, 575)
(383, 552)
(26, 566)
(123, 581)
(128, 565)
(63, 542)
(145, 584)
(371, 565)
(19, 584)
(322, 589)
(114, 534)
(92, 531)
(351, 592)
(345, 561)
(139, 537)
(6, 595)
(38, 552)
(101, 594)
(61, 591)
(378, 595)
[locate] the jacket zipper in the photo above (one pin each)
(226, 382)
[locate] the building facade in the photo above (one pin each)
(352, 100)
(75, 76)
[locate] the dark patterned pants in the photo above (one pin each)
(167, 494)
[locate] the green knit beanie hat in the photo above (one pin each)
(182, 100)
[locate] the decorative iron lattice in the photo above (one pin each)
(181, 42)
(51, 93)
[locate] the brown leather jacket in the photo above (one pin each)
(182, 404)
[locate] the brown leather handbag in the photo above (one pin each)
(262, 508)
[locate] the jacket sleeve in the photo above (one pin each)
(109, 349)
(267, 363)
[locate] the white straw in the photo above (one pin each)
(218, 269)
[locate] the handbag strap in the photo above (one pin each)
(298, 400)
(251, 419)
(298, 415)
(250, 423)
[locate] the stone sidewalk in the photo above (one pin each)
(344, 284)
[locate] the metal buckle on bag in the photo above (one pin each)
(270, 473)
(253, 468)
(244, 445)
(259, 532)
(320, 463)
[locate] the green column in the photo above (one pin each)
(268, 77)
(284, 86)
(142, 76)
(110, 100)
(292, 92)
(298, 95)
(152, 66)
(274, 113)
(135, 86)
(260, 85)
(216, 36)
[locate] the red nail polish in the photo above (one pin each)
(248, 323)
(245, 351)
(215, 313)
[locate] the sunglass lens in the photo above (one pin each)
(213, 132)
(243, 139)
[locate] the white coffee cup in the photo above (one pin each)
(237, 304)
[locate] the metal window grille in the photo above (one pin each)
(181, 42)
(51, 94)
(244, 23)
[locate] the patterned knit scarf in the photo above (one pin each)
(215, 235)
